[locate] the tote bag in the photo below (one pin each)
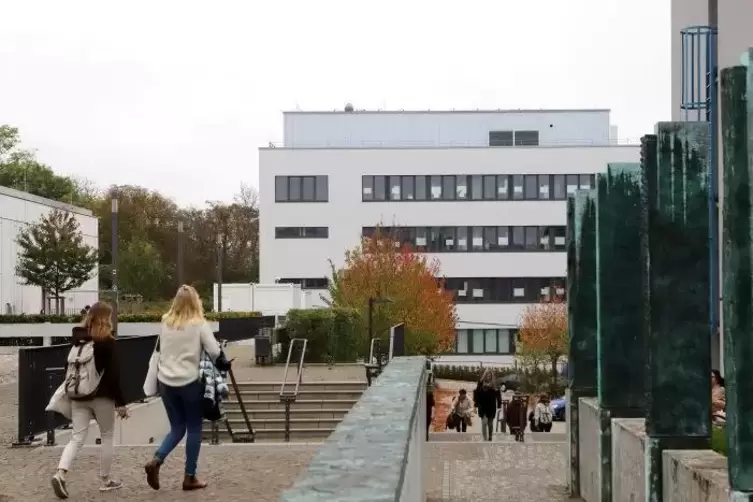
(150, 382)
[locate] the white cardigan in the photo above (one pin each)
(180, 352)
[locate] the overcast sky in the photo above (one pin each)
(177, 95)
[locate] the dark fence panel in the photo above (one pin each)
(34, 380)
(243, 328)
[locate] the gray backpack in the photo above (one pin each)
(81, 377)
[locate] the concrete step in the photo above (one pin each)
(279, 423)
(273, 403)
(303, 395)
(530, 437)
(331, 385)
(274, 435)
(315, 414)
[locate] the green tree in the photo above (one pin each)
(140, 270)
(53, 255)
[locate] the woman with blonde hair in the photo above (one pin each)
(184, 336)
(98, 397)
(487, 399)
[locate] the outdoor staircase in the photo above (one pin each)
(316, 411)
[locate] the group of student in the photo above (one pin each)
(92, 388)
(487, 404)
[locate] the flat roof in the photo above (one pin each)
(18, 194)
(521, 110)
(272, 146)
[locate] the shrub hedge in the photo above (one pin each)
(332, 334)
(719, 440)
(531, 381)
(145, 317)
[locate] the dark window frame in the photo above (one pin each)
(319, 188)
(301, 232)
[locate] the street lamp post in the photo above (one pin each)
(377, 350)
(114, 264)
(219, 271)
(181, 244)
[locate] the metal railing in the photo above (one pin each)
(288, 398)
(375, 364)
(235, 436)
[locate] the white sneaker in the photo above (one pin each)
(110, 485)
(58, 486)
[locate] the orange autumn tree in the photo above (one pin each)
(380, 268)
(542, 336)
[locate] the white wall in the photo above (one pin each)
(428, 129)
(345, 214)
(269, 299)
(18, 209)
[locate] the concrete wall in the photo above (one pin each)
(692, 475)
(589, 444)
(628, 460)
(377, 451)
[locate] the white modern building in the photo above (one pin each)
(482, 191)
(18, 209)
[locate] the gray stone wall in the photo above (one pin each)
(628, 460)
(690, 475)
(376, 453)
(589, 441)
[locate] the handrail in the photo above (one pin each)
(289, 398)
(371, 351)
(300, 367)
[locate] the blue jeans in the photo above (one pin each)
(183, 407)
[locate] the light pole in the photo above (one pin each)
(181, 244)
(219, 271)
(114, 264)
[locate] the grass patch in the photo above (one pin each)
(719, 440)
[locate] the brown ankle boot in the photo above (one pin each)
(152, 473)
(192, 483)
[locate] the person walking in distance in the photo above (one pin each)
(92, 383)
(543, 414)
(184, 336)
(461, 410)
(487, 399)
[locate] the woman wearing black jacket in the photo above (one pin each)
(101, 405)
(487, 399)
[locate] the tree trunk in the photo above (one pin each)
(554, 373)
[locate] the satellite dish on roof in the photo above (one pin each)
(349, 107)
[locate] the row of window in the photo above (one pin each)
(505, 289)
(485, 341)
(516, 138)
(301, 232)
(307, 283)
(475, 239)
(301, 189)
(473, 187)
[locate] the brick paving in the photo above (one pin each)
(486, 472)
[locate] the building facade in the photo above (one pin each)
(484, 193)
(17, 210)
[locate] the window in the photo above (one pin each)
(421, 244)
(380, 187)
(309, 188)
(545, 238)
(503, 237)
(518, 237)
(500, 138)
(395, 188)
(447, 239)
(462, 342)
(559, 187)
(517, 187)
(420, 187)
(490, 187)
(532, 237)
(301, 232)
(559, 238)
(448, 187)
(462, 238)
(503, 187)
(434, 239)
(572, 183)
(367, 188)
(301, 189)
(407, 187)
(436, 187)
(484, 341)
(281, 188)
(544, 186)
(502, 290)
(309, 283)
(585, 181)
(477, 242)
(526, 138)
(461, 187)
(531, 187)
(490, 238)
(477, 187)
